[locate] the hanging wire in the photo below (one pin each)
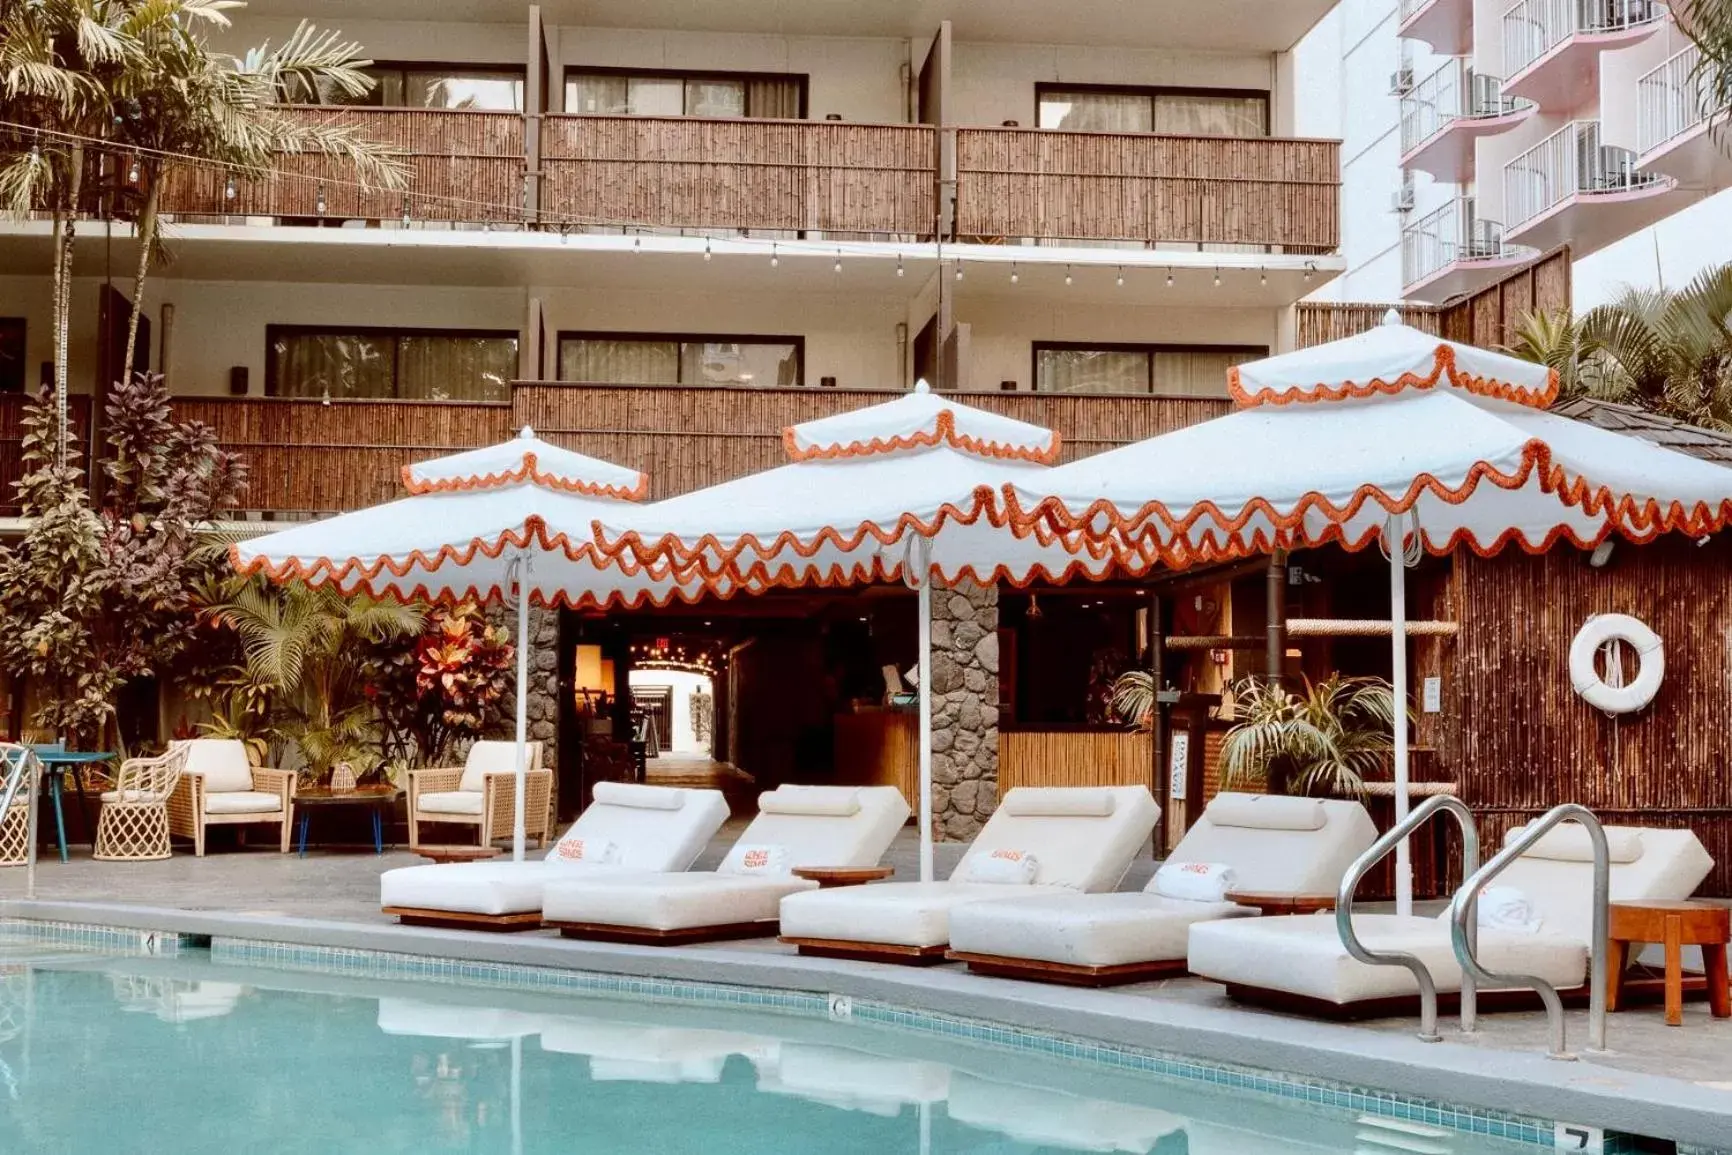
(1412, 539)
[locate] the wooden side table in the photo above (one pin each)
(829, 877)
(1274, 904)
(456, 853)
(1674, 925)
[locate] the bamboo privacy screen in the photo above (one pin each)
(1013, 183)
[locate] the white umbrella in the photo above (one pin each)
(908, 488)
(482, 524)
(1392, 432)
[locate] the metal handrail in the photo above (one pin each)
(1421, 974)
(1462, 925)
(19, 760)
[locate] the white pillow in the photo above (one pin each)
(1507, 908)
(1193, 881)
(1014, 867)
(589, 851)
(756, 860)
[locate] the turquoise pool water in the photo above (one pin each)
(119, 1055)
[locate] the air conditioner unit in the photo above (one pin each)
(1401, 200)
(1401, 81)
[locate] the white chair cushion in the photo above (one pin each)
(1266, 812)
(478, 887)
(490, 756)
(756, 861)
(222, 762)
(1570, 843)
(131, 796)
(1055, 801)
(243, 802)
(638, 797)
(669, 901)
(1093, 930)
(1302, 955)
(449, 802)
(903, 913)
(821, 839)
(1083, 852)
(1267, 860)
(593, 851)
(835, 801)
(650, 837)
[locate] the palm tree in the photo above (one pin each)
(1330, 740)
(1666, 351)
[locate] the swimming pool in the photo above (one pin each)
(195, 1055)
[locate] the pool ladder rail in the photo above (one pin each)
(1464, 921)
(23, 769)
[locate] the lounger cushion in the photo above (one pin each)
(757, 861)
(903, 913)
(1273, 859)
(449, 802)
(1056, 801)
(1193, 881)
(1083, 852)
(814, 837)
(490, 756)
(636, 797)
(1571, 843)
(1004, 867)
(1267, 812)
(222, 762)
(243, 802)
(1672, 863)
(479, 887)
(655, 827)
(668, 901)
(1303, 955)
(810, 800)
(1096, 930)
(597, 851)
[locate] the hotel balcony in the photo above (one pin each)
(1444, 114)
(1450, 251)
(1672, 130)
(1445, 25)
(1570, 188)
(1551, 48)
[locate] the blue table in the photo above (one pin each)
(57, 763)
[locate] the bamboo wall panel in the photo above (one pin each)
(12, 442)
(1017, 182)
(793, 175)
(687, 437)
(306, 456)
(464, 165)
(879, 748)
(1520, 741)
(1074, 758)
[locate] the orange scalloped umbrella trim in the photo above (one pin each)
(527, 471)
(943, 432)
(1444, 366)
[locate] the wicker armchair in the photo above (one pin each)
(221, 787)
(481, 793)
(133, 825)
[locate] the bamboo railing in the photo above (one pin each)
(1013, 183)
(772, 175)
(464, 165)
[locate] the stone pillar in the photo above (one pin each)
(964, 709)
(543, 706)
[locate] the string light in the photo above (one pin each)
(229, 189)
(1013, 272)
(1169, 278)
(132, 171)
(837, 267)
(636, 246)
(1121, 281)
(706, 248)
(959, 270)
(1262, 277)
(1308, 269)
(1067, 274)
(898, 264)
(775, 261)
(1217, 278)
(319, 201)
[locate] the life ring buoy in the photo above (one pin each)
(1650, 655)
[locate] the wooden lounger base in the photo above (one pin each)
(880, 952)
(1636, 991)
(462, 920)
(681, 936)
(1070, 974)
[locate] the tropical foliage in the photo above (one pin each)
(451, 685)
(1331, 739)
(1133, 698)
(91, 599)
(1669, 351)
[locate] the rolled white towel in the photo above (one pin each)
(1507, 908)
(1193, 881)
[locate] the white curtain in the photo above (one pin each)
(1096, 111)
(1205, 114)
(456, 368)
(1198, 372)
(1092, 371)
(619, 362)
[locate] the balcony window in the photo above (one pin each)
(483, 87)
(407, 364)
(683, 359)
(715, 96)
(1172, 370)
(1181, 112)
(12, 354)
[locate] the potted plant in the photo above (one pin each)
(1327, 740)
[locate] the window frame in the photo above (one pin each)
(516, 71)
(1153, 92)
(798, 342)
(802, 80)
(1146, 347)
(398, 332)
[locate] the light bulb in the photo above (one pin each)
(1262, 277)
(706, 249)
(319, 201)
(1217, 278)
(775, 261)
(1307, 272)
(1013, 272)
(837, 267)
(898, 264)
(406, 217)
(1067, 274)
(132, 172)
(1169, 278)
(229, 189)
(1121, 281)
(959, 270)
(636, 246)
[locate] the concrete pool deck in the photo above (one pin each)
(1657, 1081)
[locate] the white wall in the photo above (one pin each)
(430, 40)
(683, 740)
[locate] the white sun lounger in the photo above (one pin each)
(834, 826)
(1040, 1117)
(1081, 839)
(1298, 963)
(1275, 846)
(655, 828)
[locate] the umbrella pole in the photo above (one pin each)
(1393, 537)
(519, 785)
(925, 715)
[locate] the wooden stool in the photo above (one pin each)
(1675, 925)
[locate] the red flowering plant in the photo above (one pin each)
(450, 684)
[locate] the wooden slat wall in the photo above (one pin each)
(1488, 318)
(1018, 182)
(307, 456)
(1073, 758)
(464, 165)
(1519, 740)
(795, 175)
(687, 437)
(12, 438)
